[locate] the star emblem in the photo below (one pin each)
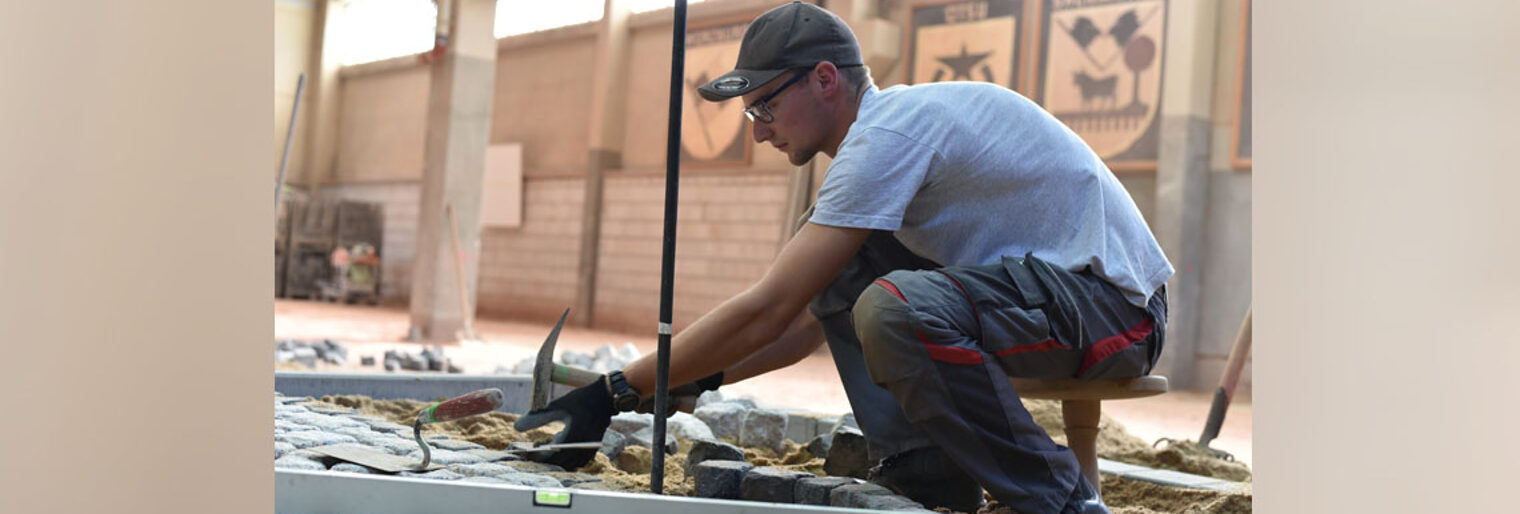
(962, 64)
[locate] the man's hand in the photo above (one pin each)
(691, 389)
(586, 412)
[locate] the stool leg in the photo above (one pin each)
(1081, 417)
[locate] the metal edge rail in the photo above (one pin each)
(517, 389)
(297, 491)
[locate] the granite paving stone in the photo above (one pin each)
(321, 421)
(847, 454)
(815, 490)
(457, 445)
(310, 438)
(437, 474)
(770, 484)
(629, 422)
(724, 419)
(703, 450)
(446, 457)
(687, 426)
(281, 425)
(529, 479)
(613, 443)
(720, 478)
(570, 478)
(282, 448)
(290, 461)
(534, 467)
(763, 428)
(481, 469)
(819, 446)
(483, 480)
(352, 468)
(488, 454)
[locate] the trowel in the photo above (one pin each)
(463, 406)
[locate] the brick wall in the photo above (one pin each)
(529, 272)
(728, 232)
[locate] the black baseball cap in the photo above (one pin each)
(795, 35)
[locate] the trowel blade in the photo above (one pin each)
(373, 458)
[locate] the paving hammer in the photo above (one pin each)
(546, 373)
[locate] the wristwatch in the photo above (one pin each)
(624, 397)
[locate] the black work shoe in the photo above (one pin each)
(1084, 499)
(928, 476)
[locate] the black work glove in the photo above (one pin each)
(689, 389)
(586, 411)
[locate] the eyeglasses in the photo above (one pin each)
(760, 111)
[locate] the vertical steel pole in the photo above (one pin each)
(668, 258)
(290, 132)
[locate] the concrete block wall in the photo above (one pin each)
(530, 272)
(728, 231)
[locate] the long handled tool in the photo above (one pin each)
(1226, 390)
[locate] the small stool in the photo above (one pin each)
(1081, 407)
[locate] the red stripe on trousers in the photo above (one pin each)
(1048, 344)
(949, 354)
(1107, 346)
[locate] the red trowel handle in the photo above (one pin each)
(463, 406)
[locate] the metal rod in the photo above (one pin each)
(290, 133)
(668, 259)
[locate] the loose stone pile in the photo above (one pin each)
(605, 359)
(430, 359)
(307, 353)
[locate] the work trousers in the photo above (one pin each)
(924, 352)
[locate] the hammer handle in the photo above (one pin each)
(573, 377)
(463, 406)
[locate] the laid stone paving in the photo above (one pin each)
(717, 467)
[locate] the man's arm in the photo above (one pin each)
(801, 338)
(754, 318)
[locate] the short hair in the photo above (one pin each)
(858, 77)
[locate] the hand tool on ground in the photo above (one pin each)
(1226, 390)
(463, 406)
(1224, 393)
(540, 452)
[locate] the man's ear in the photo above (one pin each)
(827, 76)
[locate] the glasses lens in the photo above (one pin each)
(758, 113)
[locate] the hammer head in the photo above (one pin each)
(543, 368)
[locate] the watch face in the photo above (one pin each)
(626, 401)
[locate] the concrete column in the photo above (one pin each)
(1182, 176)
(459, 129)
(322, 143)
(608, 119)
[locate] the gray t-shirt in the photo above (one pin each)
(967, 172)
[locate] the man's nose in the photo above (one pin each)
(762, 132)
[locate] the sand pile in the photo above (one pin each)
(630, 470)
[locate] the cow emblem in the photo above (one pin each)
(1103, 73)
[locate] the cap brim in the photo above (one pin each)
(736, 83)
